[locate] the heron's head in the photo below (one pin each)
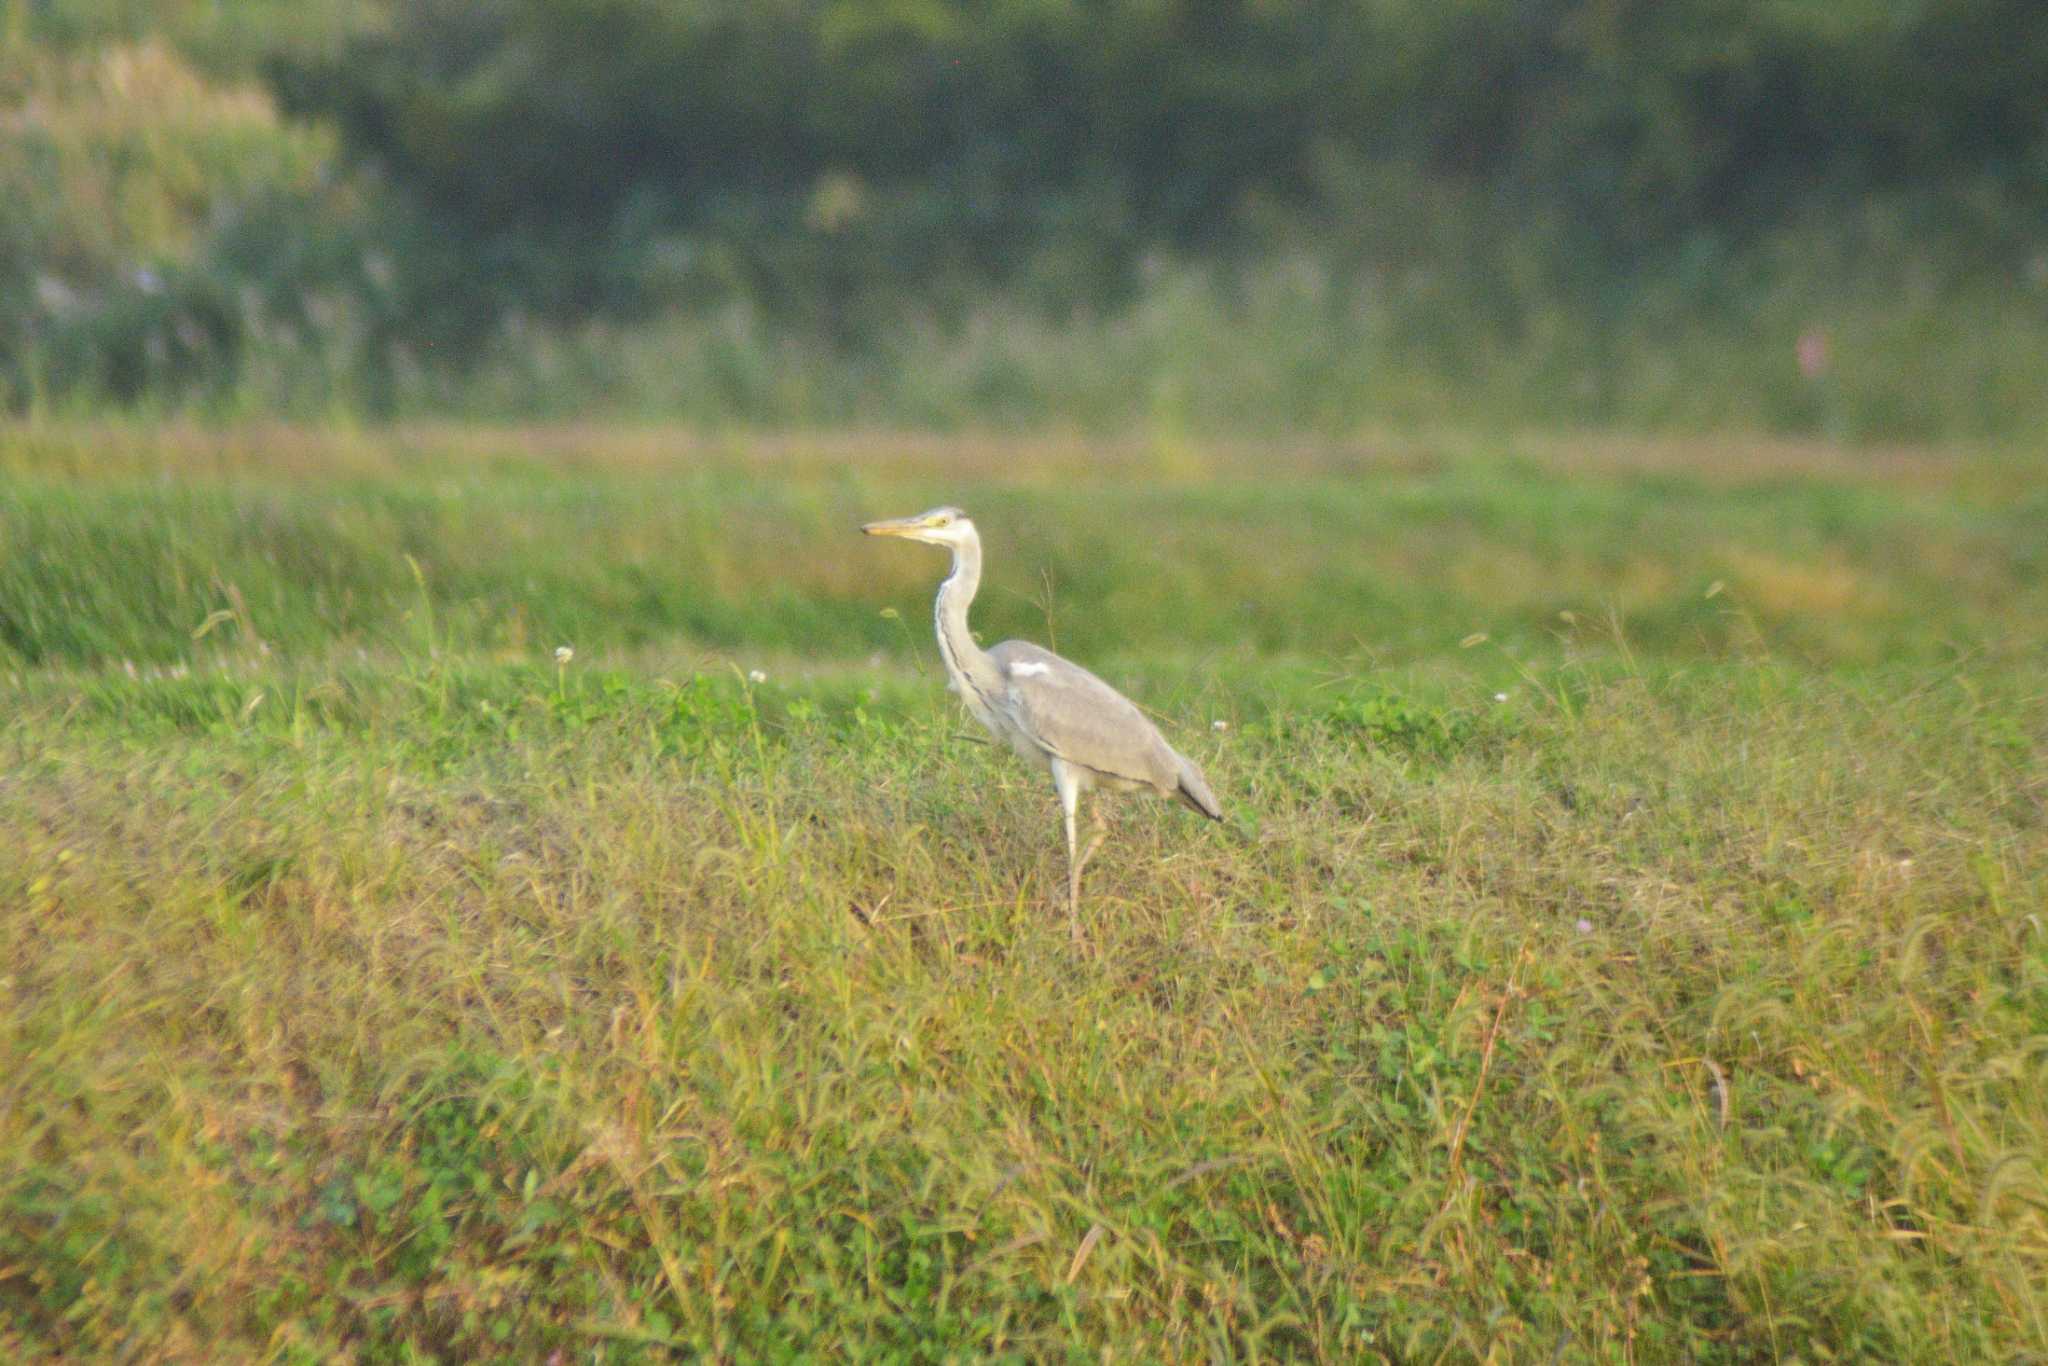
(946, 526)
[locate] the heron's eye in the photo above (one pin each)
(943, 519)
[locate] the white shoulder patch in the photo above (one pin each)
(1029, 669)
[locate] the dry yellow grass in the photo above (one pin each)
(85, 450)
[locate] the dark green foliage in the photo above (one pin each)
(591, 155)
(1640, 124)
(813, 152)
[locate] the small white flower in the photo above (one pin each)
(756, 676)
(1585, 926)
(563, 654)
(1500, 697)
(1219, 725)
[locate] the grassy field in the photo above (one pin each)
(1626, 940)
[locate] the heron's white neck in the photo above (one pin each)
(973, 672)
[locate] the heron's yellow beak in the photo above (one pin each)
(895, 526)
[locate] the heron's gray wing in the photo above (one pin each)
(1082, 719)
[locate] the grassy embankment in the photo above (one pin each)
(1663, 971)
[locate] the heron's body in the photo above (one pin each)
(1051, 711)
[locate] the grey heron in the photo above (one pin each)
(1051, 711)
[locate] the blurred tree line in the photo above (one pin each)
(447, 170)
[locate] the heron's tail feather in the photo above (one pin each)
(1194, 790)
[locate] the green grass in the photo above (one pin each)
(1666, 978)
(1449, 333)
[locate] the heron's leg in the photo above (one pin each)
(1098, 820)
(1070, 796)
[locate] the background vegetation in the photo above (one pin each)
(1332, 216)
